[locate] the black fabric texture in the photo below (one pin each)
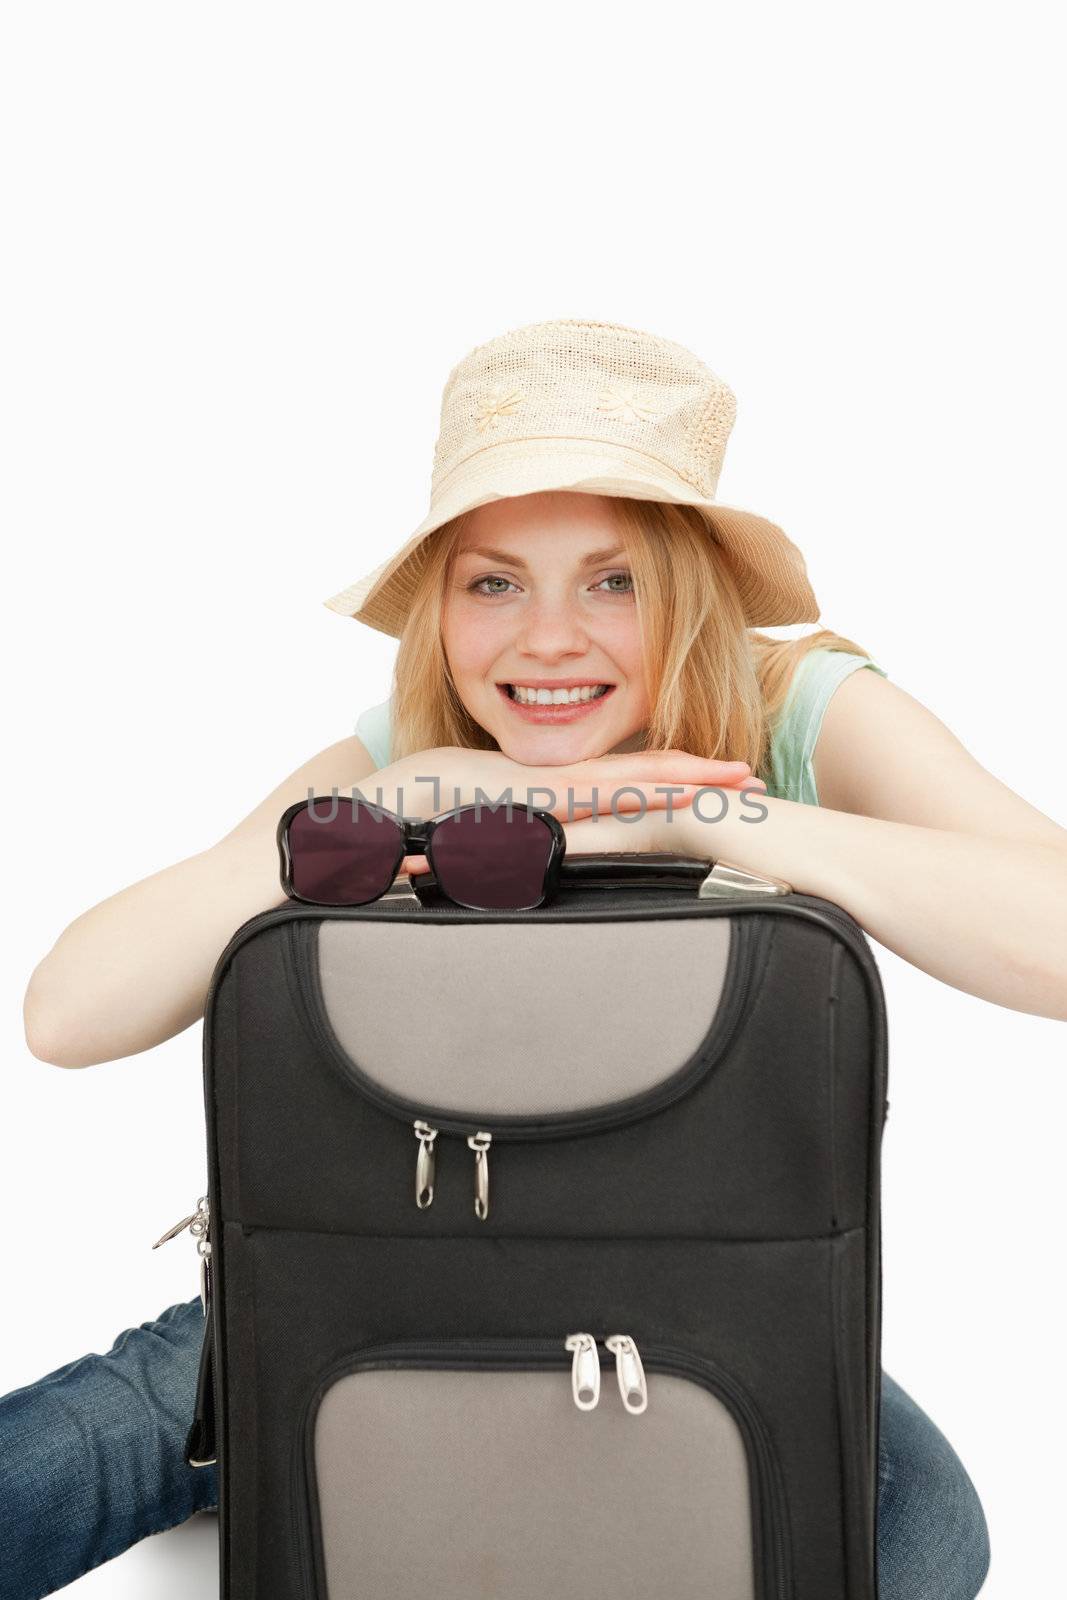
(738, 1223)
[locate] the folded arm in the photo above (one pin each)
(934, 857)
(135, 969)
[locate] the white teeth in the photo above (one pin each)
(557, 697)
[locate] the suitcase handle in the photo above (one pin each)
(659, 869)
(655, 869)
(713, 880)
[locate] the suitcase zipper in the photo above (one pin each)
(630, 1372)
(425, 1164)
(199, 1225)
(479, 1143)
(585, 1370)
(202, 1430)
(538, 1353)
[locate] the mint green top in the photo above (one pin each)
(787, 770)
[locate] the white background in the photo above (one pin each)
(244, 246)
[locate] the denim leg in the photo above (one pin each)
(92, 1460)
(92, 1456)
(933, 1543)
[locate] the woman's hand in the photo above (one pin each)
(653, 782)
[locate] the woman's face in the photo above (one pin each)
(540, 598)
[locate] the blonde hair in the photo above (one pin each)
(715, 685)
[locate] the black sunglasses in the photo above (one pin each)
(347, 852)
(325, 860)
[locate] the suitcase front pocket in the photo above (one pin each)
(537, 1469)
(573, 1050)
(595, 1025)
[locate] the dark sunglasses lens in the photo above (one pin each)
(343, 854)
(492, 860)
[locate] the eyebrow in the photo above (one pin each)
(590, 560)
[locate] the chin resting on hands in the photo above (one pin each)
(593, 794)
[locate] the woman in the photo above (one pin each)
(578, 613)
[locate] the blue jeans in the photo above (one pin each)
(92, 1459)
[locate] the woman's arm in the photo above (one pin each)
(134, 970)
(932, 855)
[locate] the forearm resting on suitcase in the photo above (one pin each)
(134, 970)
(986, 915)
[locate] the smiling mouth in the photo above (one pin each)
(556, 697)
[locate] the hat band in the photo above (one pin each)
(571, 438)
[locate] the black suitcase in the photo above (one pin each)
(544, 1252)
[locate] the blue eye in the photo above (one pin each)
(476, 587)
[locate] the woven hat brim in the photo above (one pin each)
(768, 567)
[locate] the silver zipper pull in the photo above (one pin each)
(585, 1371)
(479, 1143)
(630, 1372)
(200, 1228)
(424, 1167)
(172, 1233)
(197, 1224)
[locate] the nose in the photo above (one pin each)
(552, 629)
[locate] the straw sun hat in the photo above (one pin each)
(599, 408)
